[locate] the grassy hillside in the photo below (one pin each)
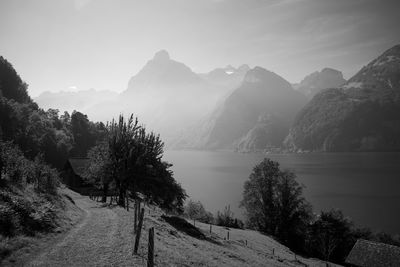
(49, 219)
(105, 234)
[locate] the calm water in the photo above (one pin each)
(366, 186)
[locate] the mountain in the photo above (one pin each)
(162, 72)
(257, 115)
(319, 80)
(168, 96)
(69, 101)
(361, 115)
(165, 94)
(228, 77)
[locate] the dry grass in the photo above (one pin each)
(19, 249)
(104, 237)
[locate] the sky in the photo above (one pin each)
(81, 44)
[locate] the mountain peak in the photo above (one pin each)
(161, 55)
(244, 68)
(256, 74)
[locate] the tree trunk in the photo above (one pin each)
(121, 197)
(105, 192)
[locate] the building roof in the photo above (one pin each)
(368, 253)
(78, 165)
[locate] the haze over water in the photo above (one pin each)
(365, 186)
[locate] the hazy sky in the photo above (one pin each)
(56, 45)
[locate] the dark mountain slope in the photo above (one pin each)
(362, 115)
(319, 80)
(263, 103)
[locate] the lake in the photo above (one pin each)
(365, 186)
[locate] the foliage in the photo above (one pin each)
(17, 170)
(11, 85)
(22, 215)
(37, 131)
(27, 189)
(160, 187)
(131, 158)
(274, 203)
(196, 211)
(226, 218)
(99, 170)
(329, 236)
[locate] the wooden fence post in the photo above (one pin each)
(135, 217)
(139, 230)
(127, 202)
(210, 228)
(228, 235)
(150, 250)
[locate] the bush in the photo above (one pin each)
(18, 215)
(227, 219)
(196, 211)
(17, 170)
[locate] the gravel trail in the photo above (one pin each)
(98, 240)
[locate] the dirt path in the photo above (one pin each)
(95, 241)
(104, 237)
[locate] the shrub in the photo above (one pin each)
(196, 211)
(17, 170)
(227, 219)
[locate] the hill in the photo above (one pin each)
(361, 115)
(105, 234)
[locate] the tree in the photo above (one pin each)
(226, 218)
(132, 159)
(125, 142)
(196, 211)
(11, 84)
(83, 133)
(274, 203)
(330, 236)
(99, 171)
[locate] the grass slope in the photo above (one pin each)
(103, 236)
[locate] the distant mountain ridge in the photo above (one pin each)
(319, 80)
(255, 116)
(253, 109)
(162, 71)
(229, 76)
(165, 94)
(362, 115)
(80, 100)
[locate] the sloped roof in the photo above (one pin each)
(78, 165)
(368, 253)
